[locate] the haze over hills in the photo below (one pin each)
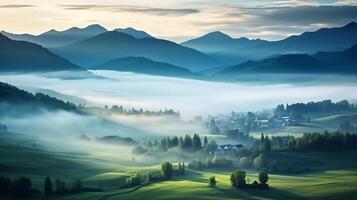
(110, 45)
(21, 56)
(55, 38)
(133, 32)
(342, 62)
(325, 39)
(144, 66)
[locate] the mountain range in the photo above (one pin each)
(144, 66)
(21, 56)
(326, 39)
(326, 50)
(112, 44)
(342, 62)
(53, 38)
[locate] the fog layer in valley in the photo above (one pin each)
(190, 97)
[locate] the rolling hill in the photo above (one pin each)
(112, 44)
(21, 56)
(144, 66)
(343, 62)
(55, 38)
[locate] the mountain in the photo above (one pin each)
(325, 39)
(291, 63)
(17, 56)
(55, 38)
(342, 62)
(112, 44)
(144, 66)
(133, 32)
(220, 42)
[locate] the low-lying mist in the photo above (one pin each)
(190, 97)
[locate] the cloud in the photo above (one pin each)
(15, 5)
(132, 9)
(279, 21)
(306, 15)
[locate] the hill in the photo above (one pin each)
(342, 62)
(144, 66)
(325, 39)
(18, 56)
(110, 45)
(133, 32)
(17, 101)
(54, 38)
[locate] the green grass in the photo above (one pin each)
(325, 185)
(334, 175)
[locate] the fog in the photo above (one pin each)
(190, 97)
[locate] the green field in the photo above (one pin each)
(339, 184)
(333, 175)
(320, 122)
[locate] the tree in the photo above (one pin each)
(244, 162)
(263, 177)
(77, 186)
(60, 186)
(22, 187)
(260, 162)
(187, 142)
(196, 142)
(167, 170)
(205, 142)
(48, 187)
(5, 185)
(238, 179)
(212, 181)
(267, 144)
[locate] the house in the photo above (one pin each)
(228, 148)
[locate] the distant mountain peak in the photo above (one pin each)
(217, 34)
(351, 25)
(134, 32)
(96, 27)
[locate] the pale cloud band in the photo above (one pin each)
(133, 9)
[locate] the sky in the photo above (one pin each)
(179, 20)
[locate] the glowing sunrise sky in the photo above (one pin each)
(179, 20)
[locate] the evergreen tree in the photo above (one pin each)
(196, 142)
(205, 142)
(48, 187)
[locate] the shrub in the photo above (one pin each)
(238, 179)
(212, 181)
(263, 177)
(138, 150)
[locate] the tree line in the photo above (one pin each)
(22, 187)
(297, 109)
(13, 96)
(186, 143)
(123, 111)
